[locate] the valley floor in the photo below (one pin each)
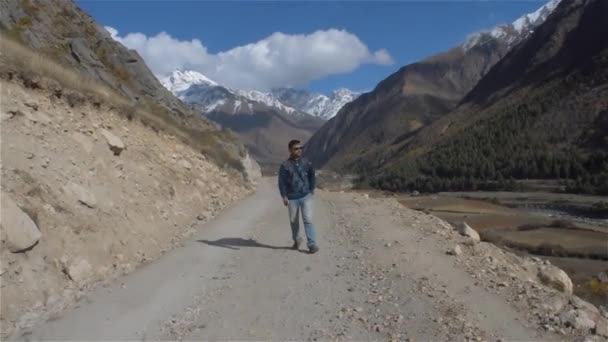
(382, 273)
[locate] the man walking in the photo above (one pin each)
(297, 185)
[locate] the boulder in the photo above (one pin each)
(83, 195)
(601, 327)
(555, 304)
(80, 271)
(116, 145)
(20, 232)
(251, 169)
(578, 303)
(555, 278)
(466, 230)
(456, 250)
(578, 319)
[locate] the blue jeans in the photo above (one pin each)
(304, 205)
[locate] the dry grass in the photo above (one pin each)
(118, 71)
(20, 26)
(25, 59)
(218, 145)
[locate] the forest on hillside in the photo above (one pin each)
(540, 138)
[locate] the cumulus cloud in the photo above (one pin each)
(275, 61)
(164, 53)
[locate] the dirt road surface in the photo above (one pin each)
(380, 274)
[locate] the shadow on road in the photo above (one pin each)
(234, 243)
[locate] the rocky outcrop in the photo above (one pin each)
(81, 55)
(64, 32)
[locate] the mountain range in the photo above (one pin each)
(264, 121)
(524, 100)
(195, 88)
(527, 103)
(358, 137)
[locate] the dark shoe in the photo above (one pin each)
(296, 244)
(313, 249)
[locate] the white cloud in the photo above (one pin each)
(164, 53)
(383, 57)
(276, 61)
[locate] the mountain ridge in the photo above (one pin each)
(409, 99)
(262, 122)
(289, 100)
(546, 123)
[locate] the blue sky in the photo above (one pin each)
(356, 44)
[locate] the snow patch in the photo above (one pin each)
(180, 80)
(515, 32)
(266, 98)
(319, 105)
(237, 106)
(210, 108)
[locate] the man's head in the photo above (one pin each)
(295, 149)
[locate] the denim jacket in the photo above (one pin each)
(296, 178)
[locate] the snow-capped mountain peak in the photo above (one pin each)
(180, 80)
(342, 92)
(535, 18)
(318, 105)
(208, 96)
(266, 98)
(344, 95)
(516, 31)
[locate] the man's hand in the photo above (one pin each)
(285, 201)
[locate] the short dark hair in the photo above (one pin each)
(293, 142)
